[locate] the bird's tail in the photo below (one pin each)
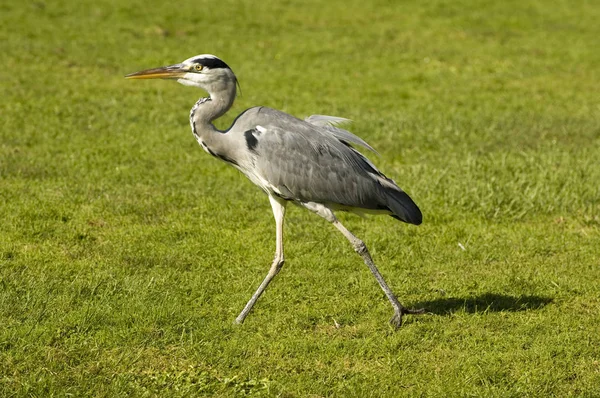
(403, 207)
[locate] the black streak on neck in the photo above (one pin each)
(222, 157)
(193, 112)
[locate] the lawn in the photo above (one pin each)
(126, 252)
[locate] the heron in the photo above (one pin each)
(312, 162)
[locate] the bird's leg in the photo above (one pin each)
(278, 206)
(361, 249)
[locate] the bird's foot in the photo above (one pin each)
(396, 320)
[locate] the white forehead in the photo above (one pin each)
(196, 57)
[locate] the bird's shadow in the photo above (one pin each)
(484, 303)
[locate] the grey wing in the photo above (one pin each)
(304, 164)
(324, 120)
(331, 123)
(308, 170)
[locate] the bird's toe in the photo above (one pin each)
(413, 311)
(396, 320)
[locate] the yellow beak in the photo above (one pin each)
(166, 72)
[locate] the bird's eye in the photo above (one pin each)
(198, 67)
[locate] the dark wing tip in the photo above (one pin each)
(413, 218)
(404, 208)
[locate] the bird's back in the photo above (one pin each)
(301, 162)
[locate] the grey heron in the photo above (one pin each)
(310, 162)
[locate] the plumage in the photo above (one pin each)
(308, 162)
(331, 123)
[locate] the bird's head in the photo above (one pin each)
(204, 71)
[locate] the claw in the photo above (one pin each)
(413, 311)
(396, 320)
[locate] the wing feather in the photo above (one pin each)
(331, 123)
(306, 163)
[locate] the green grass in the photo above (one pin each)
(126, 252)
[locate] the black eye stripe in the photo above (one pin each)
(211, 63)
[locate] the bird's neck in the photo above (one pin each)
(205, 111)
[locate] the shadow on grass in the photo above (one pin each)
(484, 303)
